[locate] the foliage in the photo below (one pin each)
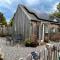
(46, 38)
(34, 44)
(34, 40)
(29, 43)
(11, 21)
(2, 19)
(57, 13)
(58, 7)
(55, 37)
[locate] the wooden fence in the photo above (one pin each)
(51, 52)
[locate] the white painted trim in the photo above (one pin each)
(43, 33)
(40, 31)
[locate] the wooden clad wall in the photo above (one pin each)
(22, 23)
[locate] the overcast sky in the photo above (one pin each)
(8, 7)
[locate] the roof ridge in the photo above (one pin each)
(31, 12)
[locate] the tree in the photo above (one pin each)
(57, 13)
(11, 21)
(2, 19)
(58, 7)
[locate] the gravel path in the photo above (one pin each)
(14, 52)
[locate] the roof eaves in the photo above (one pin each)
(37, 16)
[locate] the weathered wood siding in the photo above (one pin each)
(21, 23)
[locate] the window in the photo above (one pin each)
(46, 29)
(53, 30)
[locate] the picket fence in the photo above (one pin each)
(51, 52)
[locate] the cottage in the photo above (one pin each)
(29, 24)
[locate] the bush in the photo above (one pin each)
(34, 44)
(55, 37)
(29, 43)
(46, 39)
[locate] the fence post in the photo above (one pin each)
(48, 48)
(55, 51)
(50, 52)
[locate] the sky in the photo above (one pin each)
(8, 7)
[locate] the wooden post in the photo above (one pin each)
(39, 31)
(30, 31)
(48, 33)
(43, 33)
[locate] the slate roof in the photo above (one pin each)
(38, 17)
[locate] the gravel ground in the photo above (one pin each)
(14, 52)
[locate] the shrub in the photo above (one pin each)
(34, 40)
(34, 37)
(29, 43)
(34, 44)
(55, 37)
(46, 39)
